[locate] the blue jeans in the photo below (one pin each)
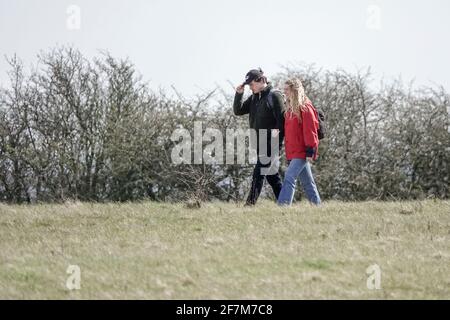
(298, 168)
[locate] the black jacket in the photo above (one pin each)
(262, 113)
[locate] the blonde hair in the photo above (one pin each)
(296, 103)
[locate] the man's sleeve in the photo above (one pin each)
(278, 111)
(240, 108)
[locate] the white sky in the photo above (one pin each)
(197, 44)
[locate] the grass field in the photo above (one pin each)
(224, 251)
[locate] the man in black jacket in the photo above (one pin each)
(265, 108)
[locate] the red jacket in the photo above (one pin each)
(301, 139)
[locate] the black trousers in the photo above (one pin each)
(258, 182)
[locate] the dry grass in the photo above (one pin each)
(224, 251)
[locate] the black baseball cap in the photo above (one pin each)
(253, 74)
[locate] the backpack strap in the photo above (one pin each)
(270, 97)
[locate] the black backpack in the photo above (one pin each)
(321, 131)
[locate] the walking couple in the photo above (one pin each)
(294, 122)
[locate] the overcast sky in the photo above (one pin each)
(197, 44)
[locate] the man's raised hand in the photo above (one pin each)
(240, 88)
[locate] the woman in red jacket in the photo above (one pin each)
(301, 143)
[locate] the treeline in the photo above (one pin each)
(92, 130)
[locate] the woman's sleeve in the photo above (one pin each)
(310, 126)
